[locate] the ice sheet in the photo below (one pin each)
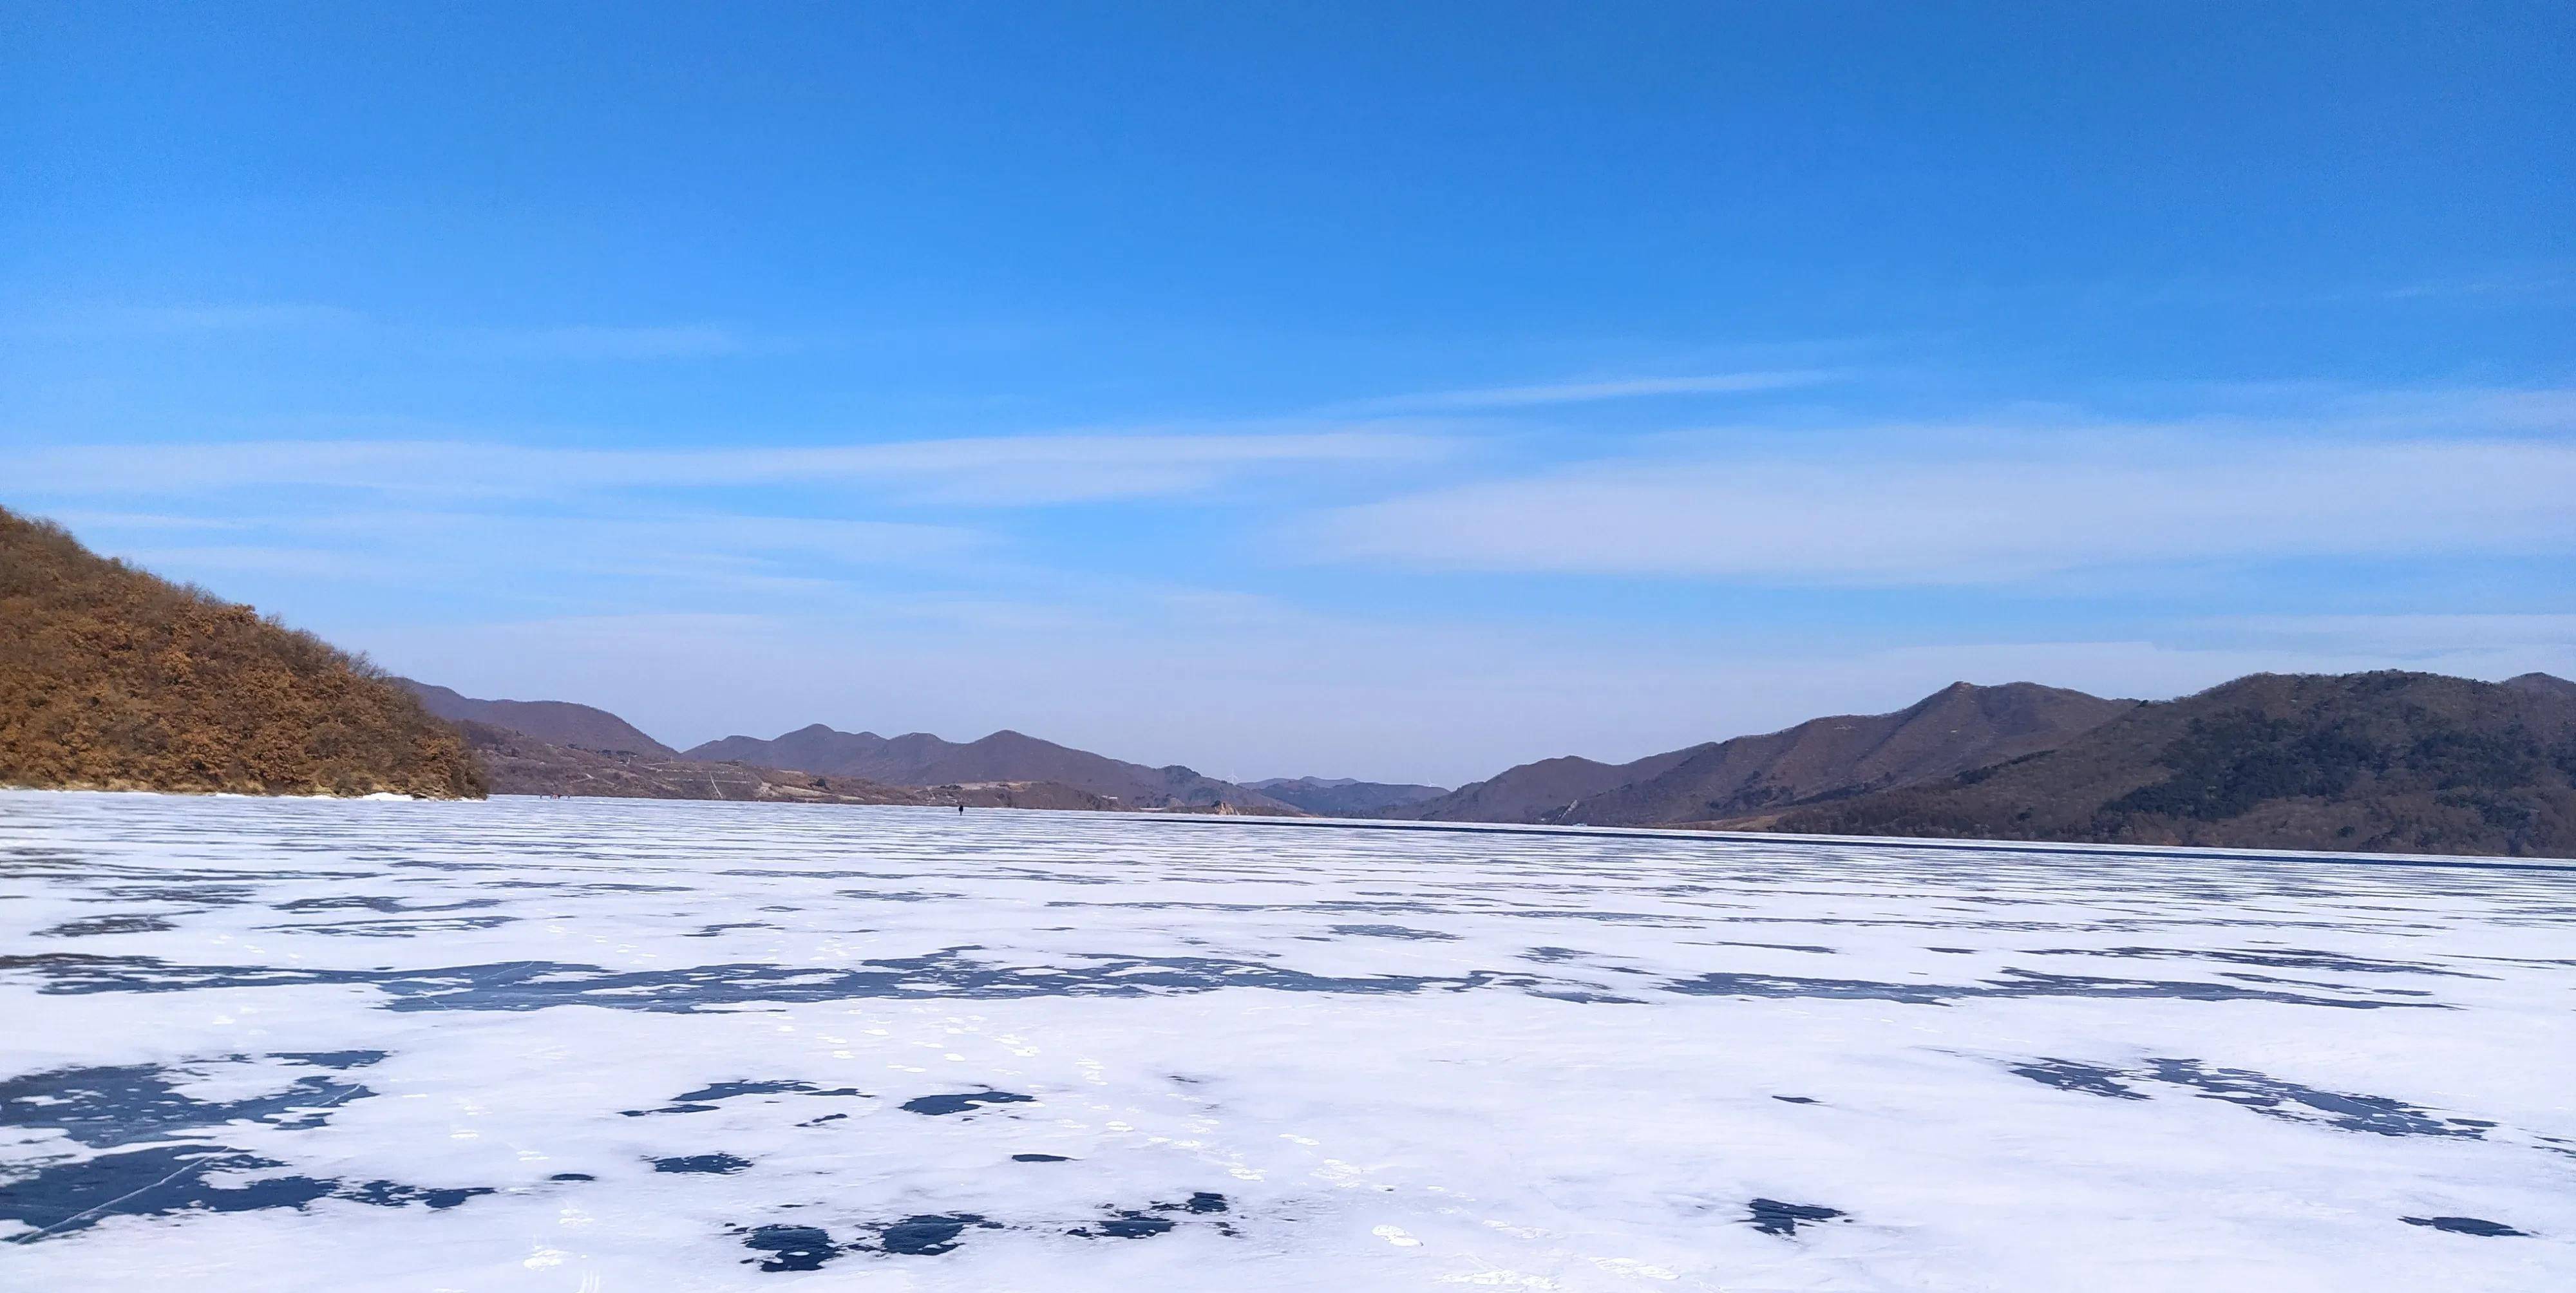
(602, 1045)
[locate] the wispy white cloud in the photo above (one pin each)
(2399, 637)
(2518, 281)
(2010, 513)
(1584, 392)
(191, 561)
(590, 341)
(655, 540)
(996, 470)
(183, 319)
(209, 319)
(84, 521)
(802, 558)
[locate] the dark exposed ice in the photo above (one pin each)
(1154, 1219)
(179, 1164)
(330, 1059)
(962, 1102)
(64, 1197)
(92, 925)
(390, 906)
(728, 1090)
(535, 985)
(389, 1195)
(929, 1235)
(702, 1100)
(2466, 1226)
(2285, 959)
(2371, 1113)
(1394, 931)
(711, 931)
(791, 1248)
(1125, 1225)
(2013, 983)
(2268, 1095)
(2068, 1075)
(1772, 1217)
(128, 1104)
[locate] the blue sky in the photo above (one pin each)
(1390, 391)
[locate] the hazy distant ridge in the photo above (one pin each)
(556, 722)
(1952, 730)
(920, 759)
(2380, 762)
(1344, 796)
(521, 764)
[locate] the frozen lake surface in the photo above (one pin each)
(603, 1045)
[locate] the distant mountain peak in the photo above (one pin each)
(924, 759)
(2544, 683)
(1959, 727)
(2383, 761)
(556, 722)
(1346, 796)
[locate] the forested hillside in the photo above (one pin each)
(2377, 762)
(113, 678)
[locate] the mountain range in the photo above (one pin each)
(113, 678)
(1343, 796)
(556, 722)
(2371, 762)
(2388, 762)
(521, 764)
(562, 747)
(1952, 730)
(920, 759)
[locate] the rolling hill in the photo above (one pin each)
(2370, 762)
(1343, 796)
(521, 764)
(115, 679)
(555, 722)
(1952, 730)
(920, 759)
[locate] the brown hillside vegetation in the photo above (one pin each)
(114, 679)
(2384, 762)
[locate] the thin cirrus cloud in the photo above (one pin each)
(579, 341)
(2400, 636)
(88, 323)
(1588, 392)
(658, 538)
(424, 548)
(590, 341)
(1896, 520)
(995, 471)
